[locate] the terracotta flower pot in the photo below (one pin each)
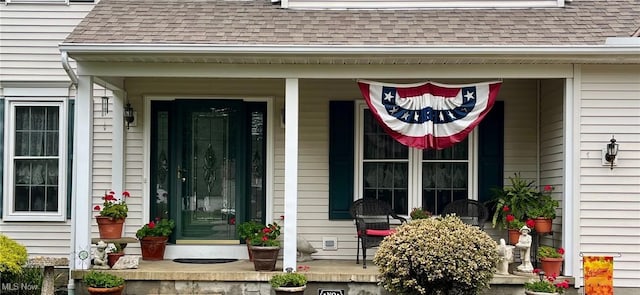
(249, 249)
(527, 292)
(514, 235)
(543, 225)
(153, 247)
(106, 291)
(551, 265)
(110, 228)
(265, 258)
(112, 258)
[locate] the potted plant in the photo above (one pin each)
(514, 225)
(551, 259)
(289, 283)
(102, 283)
(419, 213)
(265, 247)
(546, 285)
(116, 252)
(246, 231)
(515, 199)
(544, 210)
(153, 237)
(112, 215)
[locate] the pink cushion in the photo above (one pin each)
(380, 232)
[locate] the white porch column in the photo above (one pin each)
(290, 173)
(117, 145)
(82, 171)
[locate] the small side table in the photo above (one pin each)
(49, 264)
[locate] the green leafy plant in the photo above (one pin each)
(97, 279)
(288, 279)
(419, 213)
(545, 205)
(160, 227)
(248, 229)
(29, 281)
(436, 256)
(13, 255)
(515, 199)
(267, 237)
(546, 284)
(112, 207)
(513, 223)
(550, 252)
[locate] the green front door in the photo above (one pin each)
(208, 164)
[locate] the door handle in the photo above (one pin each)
(181, 174)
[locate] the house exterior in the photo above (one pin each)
(251, 110)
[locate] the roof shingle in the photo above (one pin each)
(258, 22)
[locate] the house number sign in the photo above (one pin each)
(330, 292)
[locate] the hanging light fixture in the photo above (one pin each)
(612, 151)
(128, 114)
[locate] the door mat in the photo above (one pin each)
(204, 260)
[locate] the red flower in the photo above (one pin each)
(510, 218)
(232, 220)
(126, 194)
(266, 230)
(505, 208)
(548, 188)
(561, 251)
(265, 238)
(537, 270)
(109, 198)
(530, 223)
(152, 225)
(97, 208)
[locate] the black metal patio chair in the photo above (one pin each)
(372, 219)
(469, 211)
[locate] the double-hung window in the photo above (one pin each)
(35, 161)
(407, 178)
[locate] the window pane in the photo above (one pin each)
(378, 144)
(38, 118)
(458, 151)
(162, 170)
(52, 118)
(22, 118)
(36, 185)
(22, 198)
(52, 199)
(22, 143)
(51, 143)
(443, 182)
(37, 198)
(387, 182)
(36, 146)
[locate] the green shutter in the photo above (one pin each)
(72, 104)
(491, 152)
(1, 152)
(341, 157)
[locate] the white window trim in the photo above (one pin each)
(415, 164)
(8, 214)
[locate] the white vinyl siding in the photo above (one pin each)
(29, 38)
(551, 149)
(335, 4)
(609, 215)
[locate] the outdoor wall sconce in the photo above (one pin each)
(129, 115)
(612, 152)
(104, 103)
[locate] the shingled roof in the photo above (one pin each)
(258, 22)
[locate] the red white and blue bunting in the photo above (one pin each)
(429, 115)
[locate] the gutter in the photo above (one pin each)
(67, 68)
(606, 49)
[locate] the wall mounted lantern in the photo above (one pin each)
(612, 152)
(129, 115)
(104, 103)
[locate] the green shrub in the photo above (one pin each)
(436, 256)
(102, 280)
(248, 229)
(289, 279)
(27, 282)
(13, 256)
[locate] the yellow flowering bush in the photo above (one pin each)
(13, 256)
(437, 256)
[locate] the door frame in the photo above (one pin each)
(233, 251)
